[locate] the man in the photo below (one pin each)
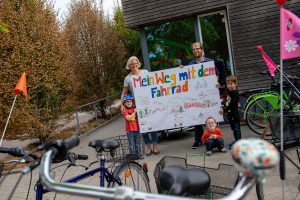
(198, 52)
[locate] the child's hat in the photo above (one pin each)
(128, 97)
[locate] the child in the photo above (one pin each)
(212, 137)
(231, 107)
(132, 126)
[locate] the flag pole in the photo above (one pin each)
(281, 127)
(8, 119)
(282, 160)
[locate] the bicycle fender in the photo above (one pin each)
(270, 97)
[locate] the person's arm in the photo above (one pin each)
(205, 136)
(234, 100)
(219, 133)
(124, 92)
(128, 116)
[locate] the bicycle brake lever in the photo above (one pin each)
(92, 163)
(33, 164)
(80, 165)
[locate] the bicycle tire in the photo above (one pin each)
(257, 114)
(133, 175)
(260, 191)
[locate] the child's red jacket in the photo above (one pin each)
(207, 133)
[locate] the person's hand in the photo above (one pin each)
(122, 108)
(135, 110)
(221, 111)
(218, 85)
(181, 66)
(211, 137)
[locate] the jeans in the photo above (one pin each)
(135, 139)
(210, 144)
(198, 133)
(148, 140)
(234, 122)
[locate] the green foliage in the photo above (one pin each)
(129, 37)
(3, 27)
(34, 45)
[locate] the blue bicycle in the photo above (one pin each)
(123, 171)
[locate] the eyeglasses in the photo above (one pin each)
(209, 123)
(134, 64)
(196, 49)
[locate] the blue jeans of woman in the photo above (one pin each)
(135, 139)
(150, 138)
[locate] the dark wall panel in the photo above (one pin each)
(251, 23)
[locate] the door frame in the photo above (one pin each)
(229, 42)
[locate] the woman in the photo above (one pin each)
(133, 63)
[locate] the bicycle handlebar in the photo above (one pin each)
(61, 147)
(254, 156)
(17, 152)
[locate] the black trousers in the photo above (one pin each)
(234, 121)
(198, 133)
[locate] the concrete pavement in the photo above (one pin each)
(175, 145)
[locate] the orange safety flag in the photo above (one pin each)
(21, 85)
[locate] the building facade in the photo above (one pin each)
(229, 29)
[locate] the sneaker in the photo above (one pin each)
(195, 145)
(223, 150)
(208, 153)
(230, 145)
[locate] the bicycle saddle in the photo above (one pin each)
(255, 156)
(110, 144)
(179, 181)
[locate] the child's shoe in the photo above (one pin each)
(223, 150)
(208, 153)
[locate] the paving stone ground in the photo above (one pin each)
(178, 144)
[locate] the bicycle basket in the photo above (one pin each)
(291, 125)
(223, 178)
(126, 151)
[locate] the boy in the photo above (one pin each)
(132, 126)
(231, 107)
(212, 137)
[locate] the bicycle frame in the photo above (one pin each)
(104, 174)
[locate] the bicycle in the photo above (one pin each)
(177, 180)
(126, 172)
(261, 106)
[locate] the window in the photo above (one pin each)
(169, 44)
(214, 35)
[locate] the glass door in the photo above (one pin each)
(214, 35)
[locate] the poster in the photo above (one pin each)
(177, 97)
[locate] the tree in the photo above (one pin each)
(32, 44)
(129, 37)
(98, 55)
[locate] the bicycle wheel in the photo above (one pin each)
(133, 175)
(257, 114)
(291, 183)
